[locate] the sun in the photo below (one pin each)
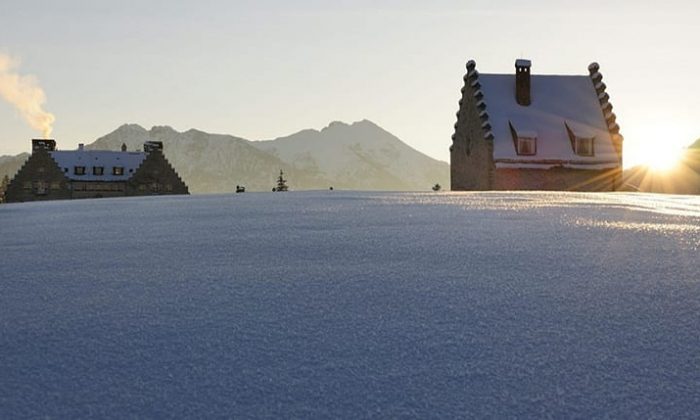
(660, 149)
(666, 159)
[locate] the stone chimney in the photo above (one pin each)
(152, 146)
(522, 82)
(43, 144)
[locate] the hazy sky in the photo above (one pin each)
(263, 69)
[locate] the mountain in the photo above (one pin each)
(9, 165)
(358, 156)
(208, 163)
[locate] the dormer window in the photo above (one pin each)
(98, 170)
(584, 146)
(79, 170)
(118, 170)
(527, 145)
(525, 142)
(582, 143)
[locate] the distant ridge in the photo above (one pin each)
(361, 156)
(357, 156)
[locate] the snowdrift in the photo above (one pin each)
(340, 304)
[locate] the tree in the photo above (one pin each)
(281, 183)
(3, 187)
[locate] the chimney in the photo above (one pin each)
(123, 147)
(151, 146)
(43, 144)
(522, 82)
(81, 146)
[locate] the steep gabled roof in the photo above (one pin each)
(68, 159)
(561, 108)
(557, 101)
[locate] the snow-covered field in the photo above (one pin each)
(339, 304)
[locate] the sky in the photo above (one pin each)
(264, 69)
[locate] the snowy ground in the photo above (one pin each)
(338, 304)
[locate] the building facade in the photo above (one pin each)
(50, 174)
(541, 132)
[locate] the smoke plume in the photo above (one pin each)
(25, 94)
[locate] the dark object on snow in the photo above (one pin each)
(437, 187)
(331, 188)
(240, 189)
(281, 183)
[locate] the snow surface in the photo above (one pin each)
(340, 304)
(556, 101)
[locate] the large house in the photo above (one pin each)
(535, 132)
(50, 174)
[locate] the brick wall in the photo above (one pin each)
(557, 179)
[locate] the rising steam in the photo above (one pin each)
(24, 92)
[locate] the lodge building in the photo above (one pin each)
(535, 132)
(50, 174)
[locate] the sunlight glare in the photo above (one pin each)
(659, 148)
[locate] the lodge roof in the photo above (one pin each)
(561, 107)
(67, 160)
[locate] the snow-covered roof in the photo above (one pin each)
(557, 101)
(67, 160)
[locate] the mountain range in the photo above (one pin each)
(357, 156)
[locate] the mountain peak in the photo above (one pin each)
(335, 125)
(365, 122)
(130, 128)
(162, 129)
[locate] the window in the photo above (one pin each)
(527, 145)
(582, 142)
(79, 170)
(41, 188)
(118, 170)
(98, 170)
(584, 146)
(525, 142)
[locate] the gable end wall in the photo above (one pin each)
(471, 155)
(155, 176)
(39, 169)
